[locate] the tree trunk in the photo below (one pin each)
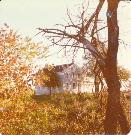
(114, 113)
(97, 84)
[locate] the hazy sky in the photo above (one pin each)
(27, 15)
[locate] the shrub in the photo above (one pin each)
(56, 114)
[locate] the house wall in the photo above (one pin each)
(72, 80)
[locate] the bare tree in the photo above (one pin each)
(75, 35)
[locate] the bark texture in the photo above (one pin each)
(114, 113)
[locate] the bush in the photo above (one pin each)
(56, 114)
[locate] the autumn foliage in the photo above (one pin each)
(16, 56)
(57, 114)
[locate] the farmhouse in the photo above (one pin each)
(71, 77)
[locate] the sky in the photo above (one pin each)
(25, 16)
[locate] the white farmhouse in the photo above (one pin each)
(72, 80)
(70, 77)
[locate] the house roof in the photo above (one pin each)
(57, 68)
(60, 68)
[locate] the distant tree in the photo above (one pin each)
(124, 74)
(49, 78)
(54, 79)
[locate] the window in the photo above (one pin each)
(74, 85)
(67, 85)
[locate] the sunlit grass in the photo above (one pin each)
(59, 113)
